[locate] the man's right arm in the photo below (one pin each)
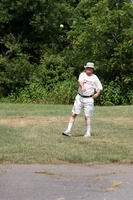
(82, 86)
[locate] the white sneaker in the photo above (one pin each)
(66, 133)
(87, 135)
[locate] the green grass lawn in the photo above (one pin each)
(32, 133)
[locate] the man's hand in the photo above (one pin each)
(97, 94)
(83, 88)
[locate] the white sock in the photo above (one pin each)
(88, 130)
(69, 127)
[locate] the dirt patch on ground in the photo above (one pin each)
(37, 121)
(118, 120)
(47, 121)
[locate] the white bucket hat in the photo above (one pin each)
(90, 65)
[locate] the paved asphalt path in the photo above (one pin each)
(66, 182)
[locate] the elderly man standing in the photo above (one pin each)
(89, 89)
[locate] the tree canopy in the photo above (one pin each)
(34, 49)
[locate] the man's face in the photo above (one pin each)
(89, 71)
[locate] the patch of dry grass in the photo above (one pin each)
(114, 185)
(32, 121)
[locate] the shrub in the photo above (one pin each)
(111, 94)
(33, 93)
(64, 92)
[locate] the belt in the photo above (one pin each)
(85, 96)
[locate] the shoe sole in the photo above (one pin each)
(66, 135)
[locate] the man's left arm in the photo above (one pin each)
(96, 94)
(99, 88)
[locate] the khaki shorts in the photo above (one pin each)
(86, 103)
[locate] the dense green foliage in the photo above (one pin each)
(40, 62)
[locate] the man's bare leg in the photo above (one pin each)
(88, 126)
(70, 124)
